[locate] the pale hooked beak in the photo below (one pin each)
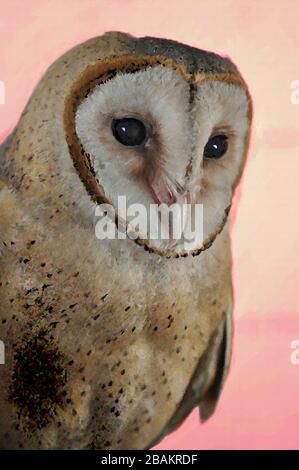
(167, 193)
(161, 190)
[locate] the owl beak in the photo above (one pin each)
(168, 193)
(161, 190)
(165, 191)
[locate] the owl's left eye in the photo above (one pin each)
(216, 146)
(129, 131)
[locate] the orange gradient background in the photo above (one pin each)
(260, 404)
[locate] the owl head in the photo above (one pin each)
(156, 122)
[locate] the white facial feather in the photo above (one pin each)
(219, 107)
(160, 97)
(156, 95)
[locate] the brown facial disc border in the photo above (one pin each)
(97, 73)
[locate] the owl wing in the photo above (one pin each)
(208, 379)
(218, 363)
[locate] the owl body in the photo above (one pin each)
(111, 343)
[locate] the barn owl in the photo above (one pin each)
(111, 343)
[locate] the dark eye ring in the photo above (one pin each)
(129, 131)
(216, 146)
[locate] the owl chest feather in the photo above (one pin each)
(126, 327)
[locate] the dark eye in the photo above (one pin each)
(216, 146)
(129, 131)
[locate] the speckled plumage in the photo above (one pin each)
(107, 345)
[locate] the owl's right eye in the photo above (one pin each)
(216, 147)
(129, 131)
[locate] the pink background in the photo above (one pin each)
(260, 405)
